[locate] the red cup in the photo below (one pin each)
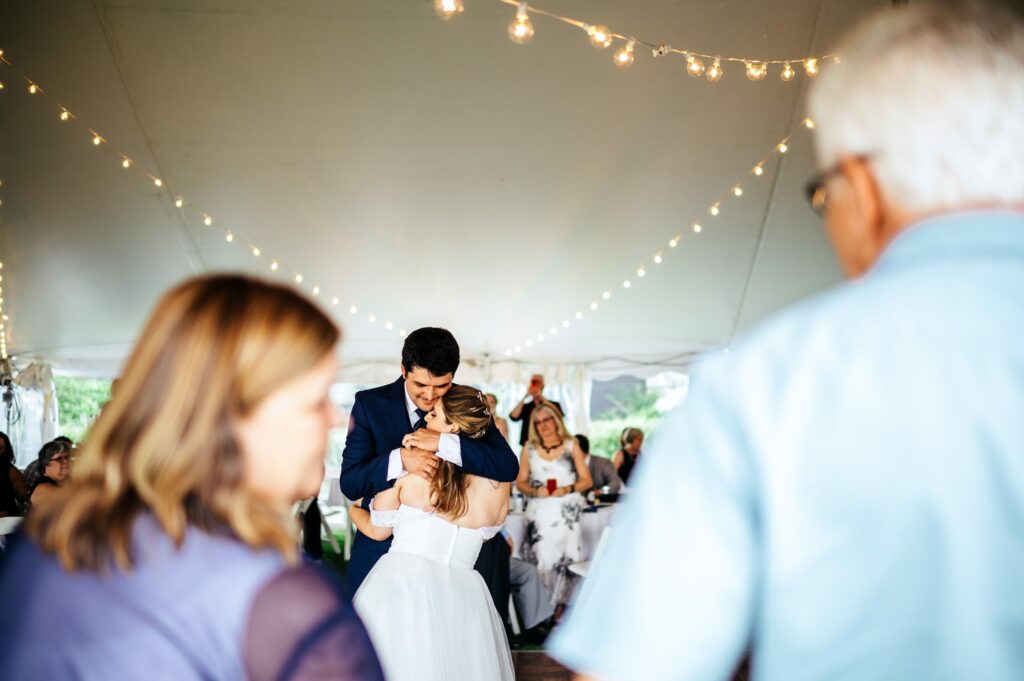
(552, 485)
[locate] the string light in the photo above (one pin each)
(179, 202)
(33, 88)
(97, 140)
(207, 220)
(256, 251)
(3, 317)
(158, 182)
(565, 323)
(298, 278)
(353, 309)
(273, 265)
(714, 72)
(508, 353)
(600, 36)
(734, 192)
(316, 290)
(229, 237)
(447, 9)
(809, 124)
(64, 115)
(624, 55)
(126, 163)
(694, 65)
(389, 325)
(521, 30)
(334, 300)
(811, 67)
(373, 318)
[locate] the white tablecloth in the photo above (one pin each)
(593, 527)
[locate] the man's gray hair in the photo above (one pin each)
(933, 95)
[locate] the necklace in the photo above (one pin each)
(550, 449)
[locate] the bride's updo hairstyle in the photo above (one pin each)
(165, 444)
(466, 408)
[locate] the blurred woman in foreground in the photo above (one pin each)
(171, 553)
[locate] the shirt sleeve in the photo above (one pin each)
(450, 449)
(676, 587)
(395, 468)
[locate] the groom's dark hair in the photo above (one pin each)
(433, 349)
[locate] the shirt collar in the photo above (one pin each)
(410, 406)
(956, 235)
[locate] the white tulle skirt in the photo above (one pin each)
(433, 622)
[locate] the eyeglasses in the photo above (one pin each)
(538, 422)
(816, 189)
(60, 459)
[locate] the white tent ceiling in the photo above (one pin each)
(434, 172)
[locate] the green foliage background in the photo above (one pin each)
(634, 407)
(79, 401)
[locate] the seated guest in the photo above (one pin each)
(172, 551)
(53, 464)
(624, 459)
(499, 421)
(532, 599)
(523, 409)
(13, 492)
(602, 470)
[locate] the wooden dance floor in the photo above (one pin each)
(534, 665)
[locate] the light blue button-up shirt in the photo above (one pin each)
(842, 493)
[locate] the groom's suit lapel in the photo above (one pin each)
(396, 405)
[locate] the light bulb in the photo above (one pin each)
(606, 295)
(158, 182)
(229, 237)
(737, 190)
(657, 259)
(759, 170)
(579, 314)
(714, 72)
(694, 66)
(529, 343)
(714, 210)
(756, 71)
(316, 290)
(389, 326)
(552, 331)
(334, 300)
(508, 353)
(624, 55)
(1, 85)
(811, 67)
(298, 278)
(565, 323)
(627, 284)
(373, 318)
(788, 72)
(273, 265)
(673, 242)
(809, 124)
(64, 115)
(127, 163)
(641, 272)
(256, 251)
(33, 88)
(518, 348)
(697, 228)
(783, 147)
(402, 332)
(207, 220)
(600, 36)
(446, 9)
(521, 29)
(179, 202)
(353, 309)
(593, 305)
(97, 140)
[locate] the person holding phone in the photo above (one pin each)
(553, 475)
(524, 408)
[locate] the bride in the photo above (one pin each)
(429, 613)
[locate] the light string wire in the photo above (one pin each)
(193, 213)
(521, 30)
(714, 209)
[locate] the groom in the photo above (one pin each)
(374, 456)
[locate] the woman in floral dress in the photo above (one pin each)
(552, 475)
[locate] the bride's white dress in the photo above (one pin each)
(429, 613)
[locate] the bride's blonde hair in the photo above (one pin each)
(165, 444)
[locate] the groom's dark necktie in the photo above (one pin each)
(422, 422)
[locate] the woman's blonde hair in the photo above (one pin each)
(165, 444)
(563, 432)
(466, 408)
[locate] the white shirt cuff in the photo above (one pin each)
(450, 449)
(395, 468)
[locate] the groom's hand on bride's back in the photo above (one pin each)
(419, 462)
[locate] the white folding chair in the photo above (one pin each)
(582, 567)
(7, 526)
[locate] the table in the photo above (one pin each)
(594, 522)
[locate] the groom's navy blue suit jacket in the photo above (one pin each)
(378, 423)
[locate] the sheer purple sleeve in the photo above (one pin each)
(301, 627)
